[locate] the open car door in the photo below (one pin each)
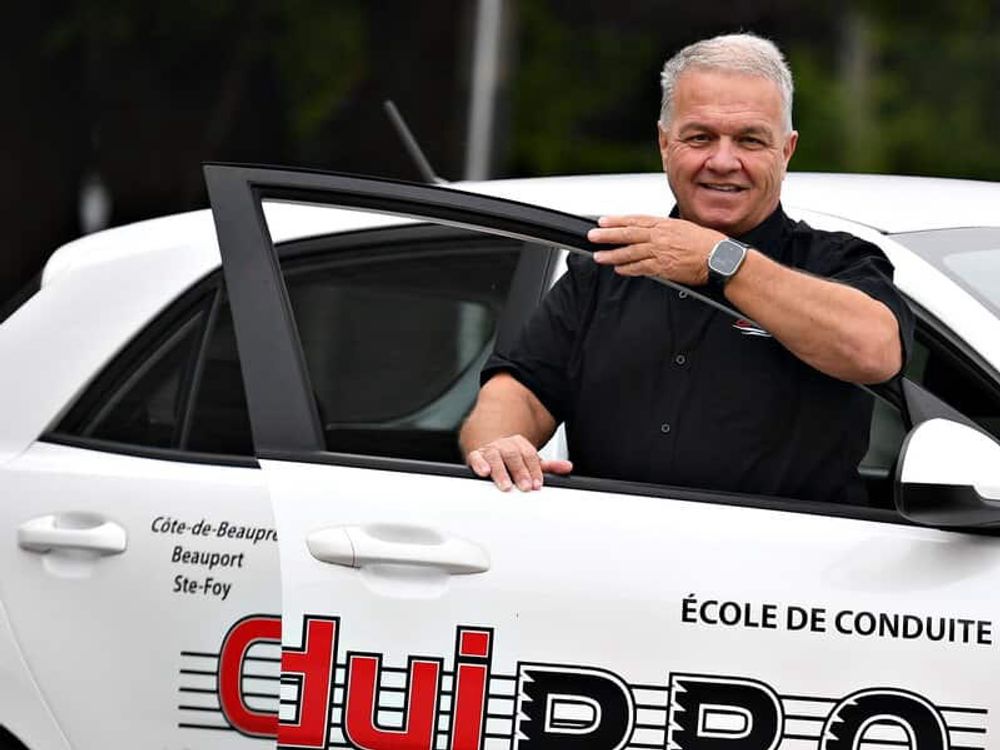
(422, 608)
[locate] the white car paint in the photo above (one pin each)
(71, 621)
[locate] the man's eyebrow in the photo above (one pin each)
(696, 127)
(759, 130)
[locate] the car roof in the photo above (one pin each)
(886, 203)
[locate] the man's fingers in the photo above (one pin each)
(557, 466)
(498, 471)
(639, 268)
(478, 464)
(627, 254)
(509, 461)
(534, 464)
(515, 461)
(628, 235)
(641, 220)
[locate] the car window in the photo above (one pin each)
(147, 409)
(969, 256)
(141, 398)
(177, 386)
(394, 339)
(394, 335)
(220, 420)
(946, 372)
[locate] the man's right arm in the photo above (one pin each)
(501, 437)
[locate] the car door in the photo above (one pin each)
(423, 608)
(139, 568)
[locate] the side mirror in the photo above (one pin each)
(948, 475)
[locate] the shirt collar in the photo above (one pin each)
(766, 236)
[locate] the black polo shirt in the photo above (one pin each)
(656, 386)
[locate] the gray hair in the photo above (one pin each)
(732, 53)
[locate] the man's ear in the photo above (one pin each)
(662, 136)
(790, 143)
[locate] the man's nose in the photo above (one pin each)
(724, 156)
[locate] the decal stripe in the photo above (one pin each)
(205, 726)
(502, 705)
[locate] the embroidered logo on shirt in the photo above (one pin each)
(747, 328)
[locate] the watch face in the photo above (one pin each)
(725, 259)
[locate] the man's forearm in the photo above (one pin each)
(835, 328)
(505, 407)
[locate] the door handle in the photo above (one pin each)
(80, 531)
(394, 544)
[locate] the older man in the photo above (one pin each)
(657, 387)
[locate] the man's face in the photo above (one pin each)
(725, 149)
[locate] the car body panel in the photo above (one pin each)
(402, 609)
(132, 622)
(634, 586)
(555, 555)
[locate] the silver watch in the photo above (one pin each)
(725, 260)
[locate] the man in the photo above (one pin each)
(657, 387)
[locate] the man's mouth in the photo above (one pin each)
(722, 188)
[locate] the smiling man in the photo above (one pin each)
(657, 387)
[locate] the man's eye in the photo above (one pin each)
(699, 138)
(752, 142)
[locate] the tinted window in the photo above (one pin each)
(394, 341)
(970, 256)
(177, 386)
(147, 408)
(220, 421)
(394, 337)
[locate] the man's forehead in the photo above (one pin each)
(721, 100)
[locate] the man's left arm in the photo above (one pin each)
(835, 328)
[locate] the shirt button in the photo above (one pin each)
(680, 360)
(682, 294)
(664, 428)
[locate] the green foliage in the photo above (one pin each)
(570, 81)
(880, 86)
(320, 51)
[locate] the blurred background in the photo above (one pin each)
(113, 105)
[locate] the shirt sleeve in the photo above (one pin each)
(539, 357)
(862, 265)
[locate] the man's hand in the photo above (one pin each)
(501, 433)
(513, 460)
(672, 249)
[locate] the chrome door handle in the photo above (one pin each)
(79, 531)
(395, 544)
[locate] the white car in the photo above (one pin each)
(211, 545)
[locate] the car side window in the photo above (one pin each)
(394, 335)
(141, 398)
(948, 374)
(943, 370)
(220, 420)
(176, 387)
(394, 338)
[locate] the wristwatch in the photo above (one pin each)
(724, 261)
